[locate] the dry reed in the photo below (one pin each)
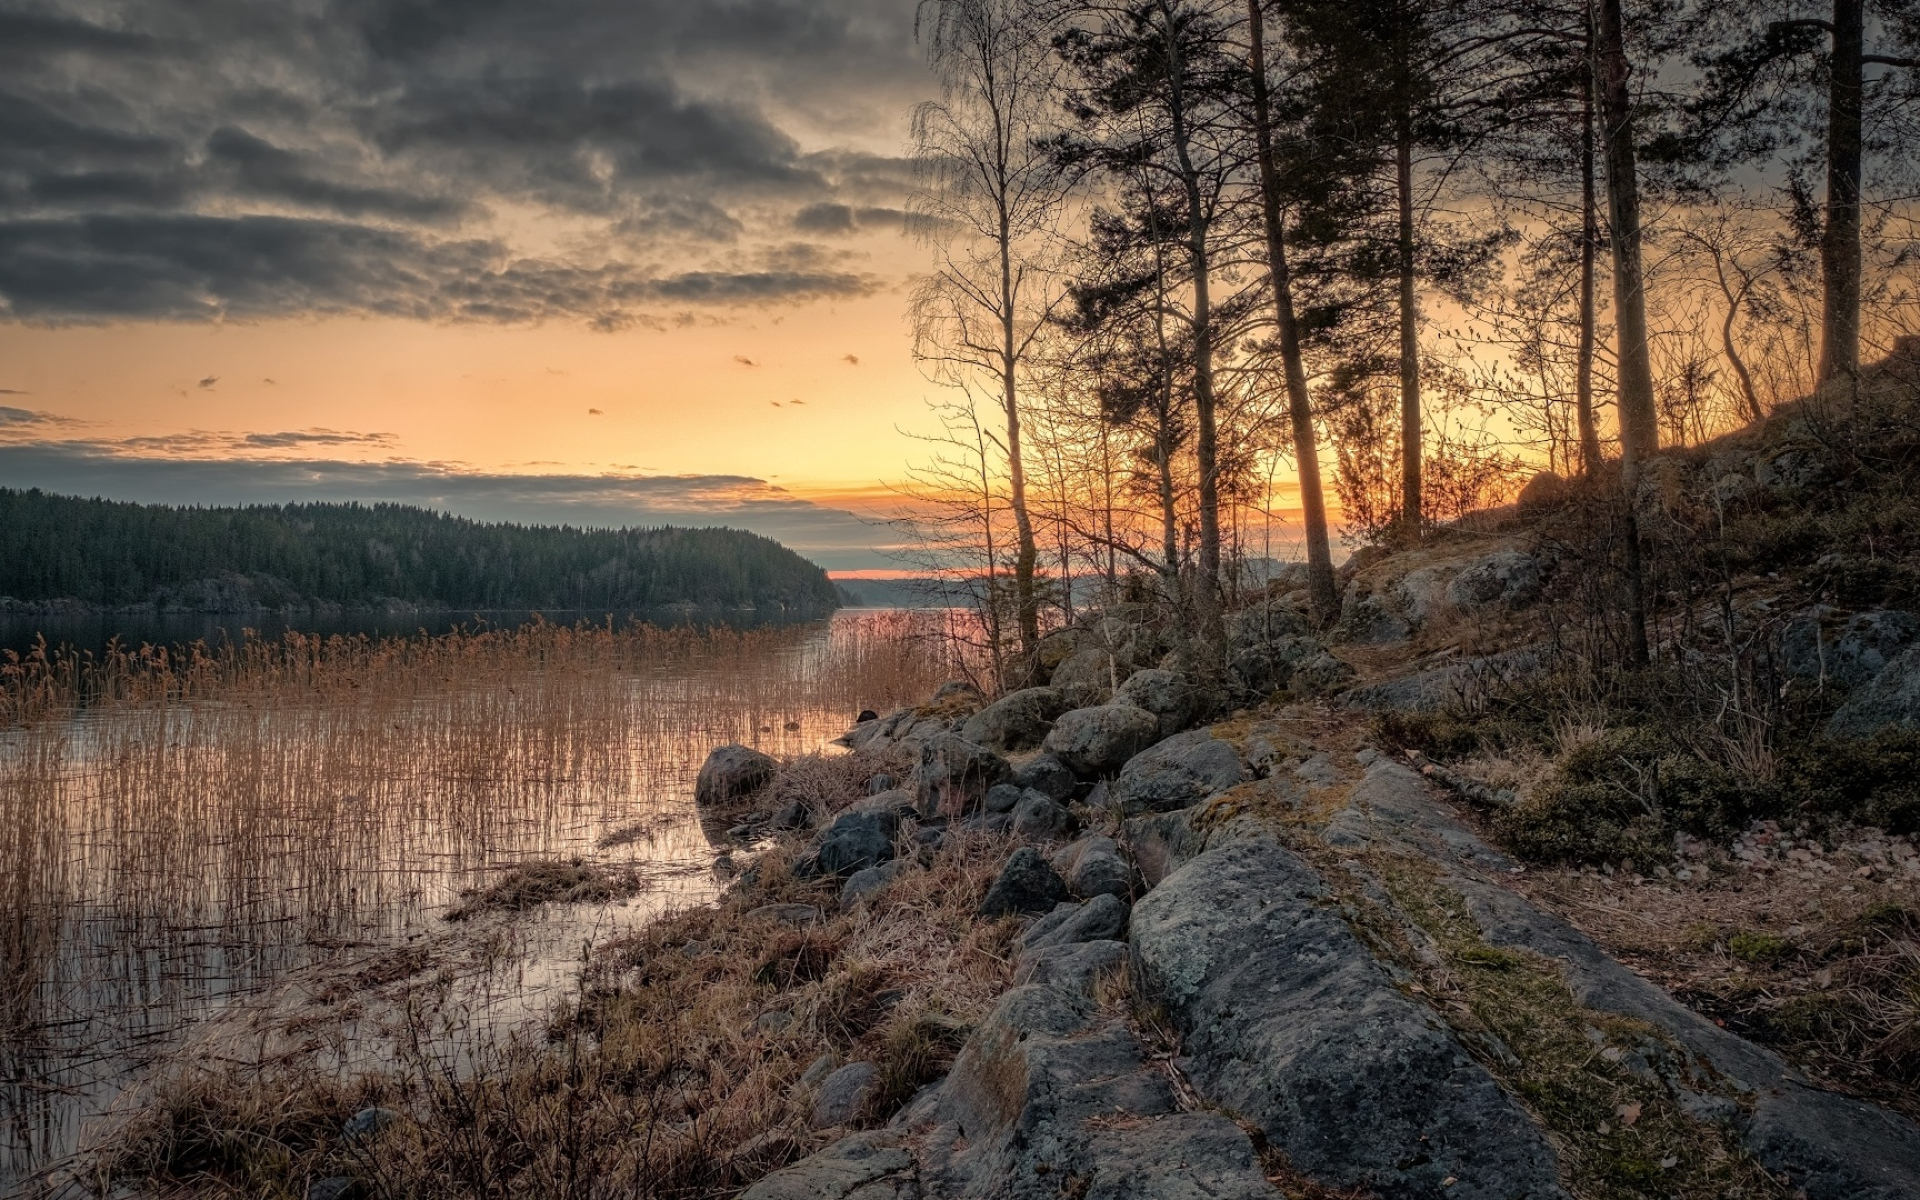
(183, 826)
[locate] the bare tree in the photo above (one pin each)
(988, 201)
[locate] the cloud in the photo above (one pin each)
(469, 160)
(195, 267)
(162, 471)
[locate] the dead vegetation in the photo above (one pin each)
(676, 1071)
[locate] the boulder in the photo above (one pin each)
(953, 775)
(1506, 577)
(1039, 816)
(843, 1095)
(1093, 866)
(857, 840)
(1890, 700)
(1178, 773)
(866, 882)
(955, 697)
(1002, 797)
(731, 772)
(1464, 683)
(1299, 664)
(368, 1122)
(1369, 621)
(1287, 1020)
(1103, 918)
(882, 782)
(869, 1166)
(1026, 885)
(1087, 671)
(1054, 1096)
(1098, 741)
(1265, 623)
(1164, 694)
(1850, 653)
(1047, 774)
(336, 1187)
(1016, 721)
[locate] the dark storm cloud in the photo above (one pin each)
(177, 267)
(185, 159)
(153, 471)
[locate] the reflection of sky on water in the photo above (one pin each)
(188, 857)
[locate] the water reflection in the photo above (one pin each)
(161, 862)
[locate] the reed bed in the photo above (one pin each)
(180, 826)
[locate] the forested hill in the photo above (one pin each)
(108, 553)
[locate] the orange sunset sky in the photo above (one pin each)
(597, 261)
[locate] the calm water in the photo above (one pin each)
(168, 874)
(95, 631)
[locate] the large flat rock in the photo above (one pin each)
(1289, 1021)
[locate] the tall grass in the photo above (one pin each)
(178, 826)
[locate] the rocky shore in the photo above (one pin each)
(1272, 956)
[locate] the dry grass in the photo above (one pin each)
(179, 826)
(665, 1078)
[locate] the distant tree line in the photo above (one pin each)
(109, 553)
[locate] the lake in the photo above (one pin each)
(293, 823)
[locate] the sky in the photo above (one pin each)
(591, 261)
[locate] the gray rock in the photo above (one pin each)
(1369, 621)
(1178, 773)
(1319, 674)
(1466, 683)
(1016, 721)
(1505, 577)
(731, 772)
(336, 1187)
(1093, 866)
(1039, 816)
(1852, 653)
(1791, 468)
(1047, 775)
(1264, 624)
(1002, 797)
(864, 883)
(1098, 741)
(1044, 925)
(786, 914)
(1165, 694)
(1088, 671)
(866, 1166)
(1101, 919)
(369, 1122)
(1291, 662)
(857, 840)
(1026, 885)
(793, 816)
(1289, 1021)
(817, 1071)
(953, 775)
(844, 1094)
(958, 694)
(1029, 1109)
(882, 782)
(1831, 1147)
(773, 1021)
(1891, 700)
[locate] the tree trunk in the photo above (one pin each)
(1306, 445)
(1025, 552)
(1206, 442)
(1840, 241)
(1412, 519)
(1589, 247)
(1639, 419)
